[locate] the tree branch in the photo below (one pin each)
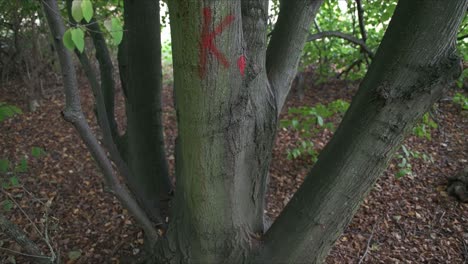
(74, 115)
(344, 36)
(103, 118)
(108, 141)
(362, 27)
(31, 248)
(414, 65)
(106, 70)
(143, 85)
(103, 92)
(286, 44)
(462, 37)
(350, 67)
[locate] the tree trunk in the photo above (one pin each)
(146, 152)
(226, 116)
(227, 121)
(410, 71)
(229, 89)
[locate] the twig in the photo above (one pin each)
(462, 37)
(44, 236)
(344, 36)
(368, 245)
(20, 237)
(117, 247)
(24, 254)
(362, 27)
(34, 198)
(350, 67)
(46, 229)
(23, 212)
(465, 255)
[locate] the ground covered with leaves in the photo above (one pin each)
(61, 202)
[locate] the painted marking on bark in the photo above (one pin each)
(241, 62)
(207, 40)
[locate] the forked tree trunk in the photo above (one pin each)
(229, 89)
(227, 122)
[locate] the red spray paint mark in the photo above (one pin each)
(241, 62)
(207, 40)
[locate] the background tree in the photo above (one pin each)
(24, 49)
(230, 84)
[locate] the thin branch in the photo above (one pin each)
(368, 245)
(102, 118)
(350, 67)
(103, 92)
(362, 27)
(74, 115)
(46, 228)
(465, 254)
(24, 254)
(18, 235)
(348, 37)
(462, 37)
(23, 212)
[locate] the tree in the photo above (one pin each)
(230, 83)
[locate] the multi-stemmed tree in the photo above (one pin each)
(230, 83)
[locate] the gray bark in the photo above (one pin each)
(342, 35)
(106, 70)
(286, 44)
(146, 152)
(414, 64)
(74, 114)
(226, 121)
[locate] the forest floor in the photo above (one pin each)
(410, 219)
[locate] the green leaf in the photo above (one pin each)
(5, 184)
(117, 30)
(330, 126)
(4, 165)
(67, 40)
(402, 173)
(295, 123)
(7, 110)
(76, 10)
(77, 36)
(426, 118)
(23, 166)
(114, 26)
(402, 163)
(74, 255)
(405, 150)
(7, 205)
(87, 8)
(37, 152)
(284, 123)
(296, 153)
(319, 120)
(14, 181)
